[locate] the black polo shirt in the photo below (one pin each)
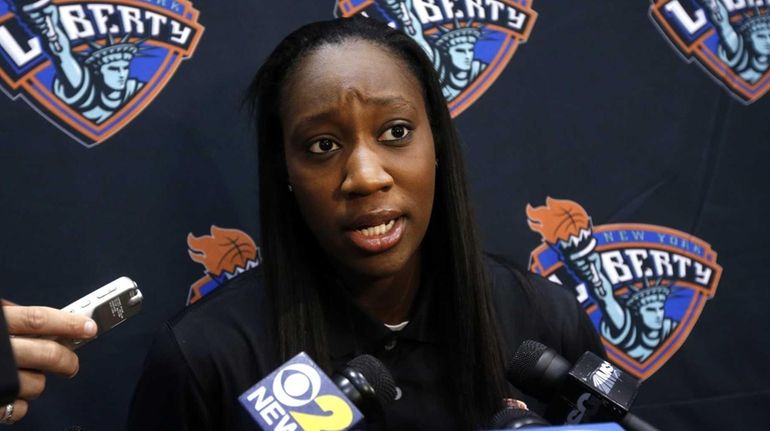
(202, 360)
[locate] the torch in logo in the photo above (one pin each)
(44, 22)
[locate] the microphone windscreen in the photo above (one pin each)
(524, 360)
(537, 369)
(512, 418)
(377, 375)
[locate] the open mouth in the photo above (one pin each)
(380, 237)
(380, 229)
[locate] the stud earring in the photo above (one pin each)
(291, 188)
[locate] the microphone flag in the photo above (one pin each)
(299, 396)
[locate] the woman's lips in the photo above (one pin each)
(379, 238)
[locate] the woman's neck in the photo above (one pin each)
(387, 299)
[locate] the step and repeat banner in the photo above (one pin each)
(620, 149)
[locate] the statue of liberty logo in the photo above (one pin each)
(96, 83)
(636, 323)
(744, 46)
(730, 39)
(84, 65)
(642, 286)
(469, 43)
(452, 49)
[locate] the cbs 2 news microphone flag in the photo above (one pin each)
(299, 395)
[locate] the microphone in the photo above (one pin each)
(588, 427)
(299, 395)
(590, 391)
(511, 418)
(368, 384)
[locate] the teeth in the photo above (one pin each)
(378, 230)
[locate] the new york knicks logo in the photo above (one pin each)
(90, 67)
(643, 286)
(729, 38)
(470, 42)
(225, 254)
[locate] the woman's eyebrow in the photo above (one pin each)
(395, 101)
(313, 119)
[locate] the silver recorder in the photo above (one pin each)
(109, 306)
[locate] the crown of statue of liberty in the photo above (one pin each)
(112, 51)
(647, 294)
(756, 22)
(449, 37)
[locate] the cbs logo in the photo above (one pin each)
(297, 385)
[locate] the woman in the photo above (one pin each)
(369, 247)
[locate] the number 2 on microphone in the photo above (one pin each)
(340, 415)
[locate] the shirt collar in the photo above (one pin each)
(351, 331)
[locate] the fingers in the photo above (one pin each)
(20, 409)
(513, 403)
(47, 322)
(31, 384)
(44, 355)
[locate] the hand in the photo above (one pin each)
(36, 356)
(395, 7)
(717, 9)
(38, 16)
(589, 270)
(596, 275)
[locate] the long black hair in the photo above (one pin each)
(291, 252)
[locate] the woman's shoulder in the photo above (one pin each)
(510, 280)
(204, 358)
(238, 304)
(530, 307)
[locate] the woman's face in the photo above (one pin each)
(360, 156)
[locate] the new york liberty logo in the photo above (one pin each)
(643, 286)
(469, 41)
(729, 38)
(91, 67)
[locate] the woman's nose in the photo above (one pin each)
(365, 173)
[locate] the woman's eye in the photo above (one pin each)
(323, 146)
(395, 133)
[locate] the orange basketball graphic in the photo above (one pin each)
(558, 220)
(225, 254)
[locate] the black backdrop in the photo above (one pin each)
(596, 107)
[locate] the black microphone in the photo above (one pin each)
(511, 418)
(368, 384)
(590, 391)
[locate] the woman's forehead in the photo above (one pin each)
(335, 74)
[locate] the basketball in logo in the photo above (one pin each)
(224, 254)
